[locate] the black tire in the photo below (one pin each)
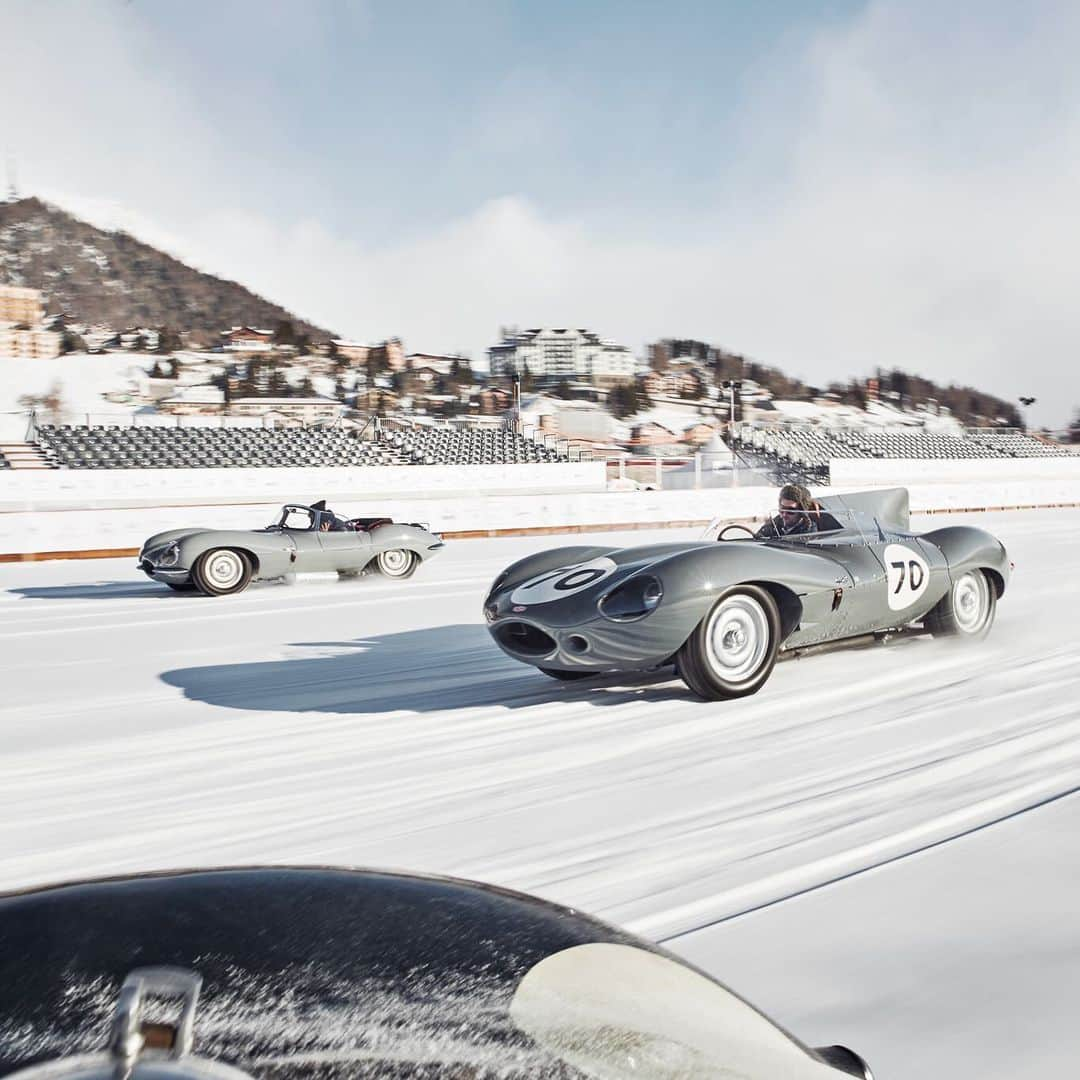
(966, 612)
(222, 572)
(732, 651)
(182, 586)
(566, 676)
(397, 563)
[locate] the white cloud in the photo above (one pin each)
(923, 216)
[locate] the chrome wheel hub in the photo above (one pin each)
(971, 602)
(396, 560)
(224, 569)
(737, 638)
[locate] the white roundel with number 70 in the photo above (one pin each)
(907, 575)
(563, 581)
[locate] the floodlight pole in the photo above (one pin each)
(732, 385)
(1027, 402)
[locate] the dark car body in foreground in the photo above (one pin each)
(310, 973)
(304, 539)
(723, 612)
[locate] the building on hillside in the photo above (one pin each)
(552, 354)
(98, 338)
(21, 307)
(139, 338)
(652, 434)
(680, 379)
(306, 410)
(354, 352)
(663, 353)
(194, 401)
(19, 342)
(247, 339)
(388, 355)
(443, 363)
(491, 401)
(32, 344)
(700, 434)
(376, 399)
(22, 335)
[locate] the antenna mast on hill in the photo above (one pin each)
(13, 190)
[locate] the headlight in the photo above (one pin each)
(169, 555)
(633, 599)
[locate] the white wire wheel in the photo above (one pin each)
(222, 571)
(967, 610)
(732, 650)
(396, 563)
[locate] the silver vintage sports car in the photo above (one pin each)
(722, 612)
(303, 539)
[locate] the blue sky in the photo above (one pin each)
(823, 186)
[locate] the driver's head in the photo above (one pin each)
(794, 504)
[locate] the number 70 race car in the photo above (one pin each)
(722, 612)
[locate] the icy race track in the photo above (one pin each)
(374, 723)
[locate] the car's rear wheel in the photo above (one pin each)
(566, 676)
(397, 563)
(732, 651)
(967, 610)
(222, 571)
(182, 586)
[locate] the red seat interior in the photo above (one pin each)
(368, 524)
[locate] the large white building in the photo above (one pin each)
(553, 353)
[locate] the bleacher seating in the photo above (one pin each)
(469, 446)
(803, 452)
(199, 447)
(1012, 443)
(145, 447)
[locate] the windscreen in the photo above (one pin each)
(612, 1010)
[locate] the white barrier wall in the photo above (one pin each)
(894, 472)
(95, 529)
(33, 489)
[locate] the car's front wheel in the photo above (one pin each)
(967, 610)
(397, 563)
(222, 571)
(732, 651)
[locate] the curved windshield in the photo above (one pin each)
(295, 517)
(614, 1010)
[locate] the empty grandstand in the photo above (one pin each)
(391, 443)
(466, 445)
(803, 452)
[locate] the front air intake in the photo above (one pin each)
(523, 639)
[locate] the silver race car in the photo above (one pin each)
(722, 612)
(303, 539)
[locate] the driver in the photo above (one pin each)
(797, 514)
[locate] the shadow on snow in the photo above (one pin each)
(432, 670)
